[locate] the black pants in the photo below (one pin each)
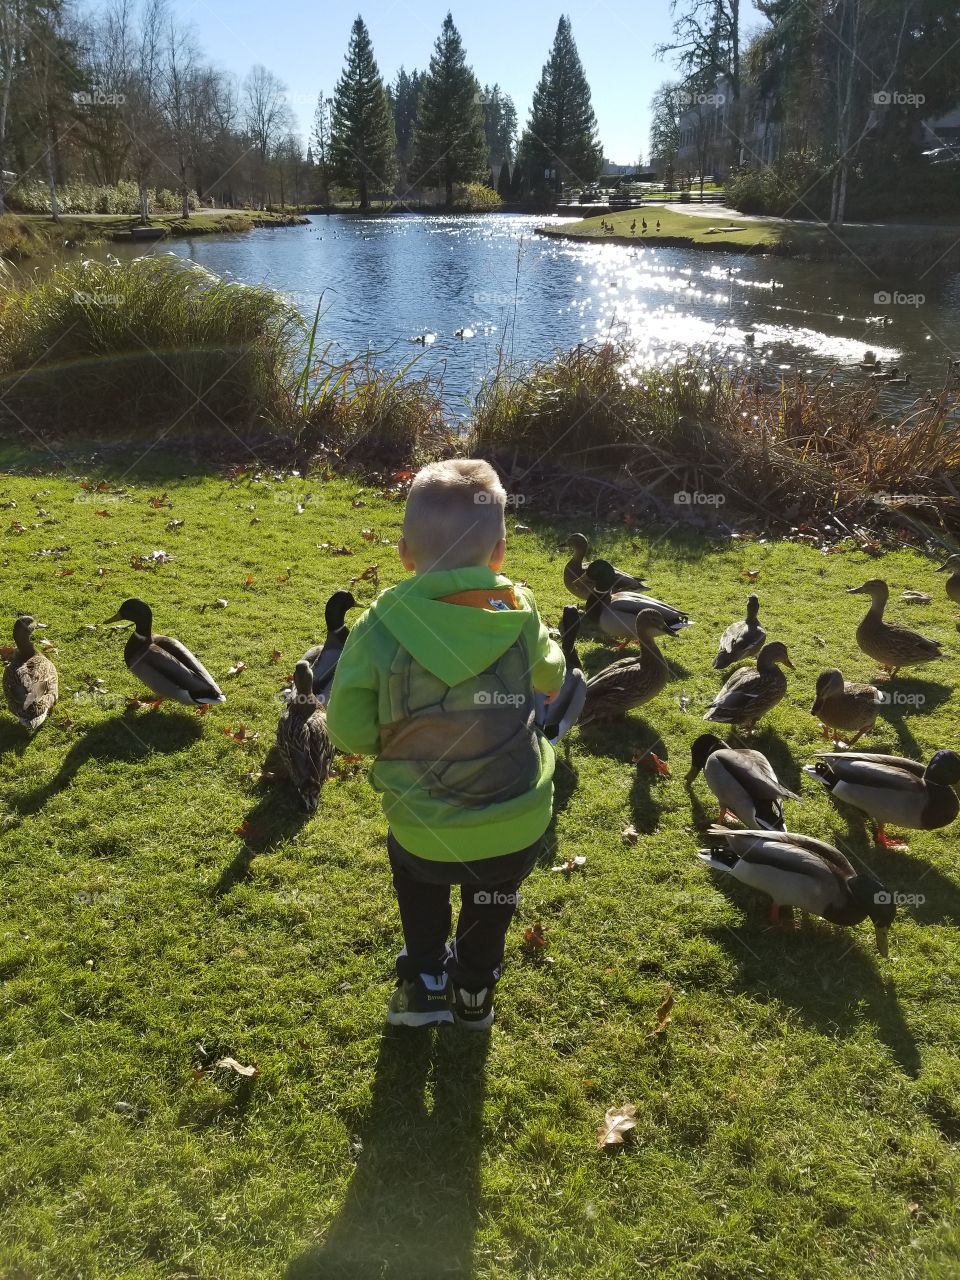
(489, 892)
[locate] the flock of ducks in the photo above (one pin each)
(610, 229)
(794, 870)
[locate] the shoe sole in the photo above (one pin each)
(474, 1024)
(419, 1019)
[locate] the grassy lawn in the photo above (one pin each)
(166, 904)
(676, 229)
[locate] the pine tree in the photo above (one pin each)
(449, 142)
(363, 142)
(561, 135)
(503, 181)
(403, 94)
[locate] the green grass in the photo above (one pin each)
(799, 1117)
(676, 229)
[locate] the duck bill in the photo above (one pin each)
(788, 663)
(856, 591)
(943, 568)
(815, 709)
(882, 939)
(116, 618)
(690, 777)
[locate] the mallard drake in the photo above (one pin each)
(30, 678)
(891, 645)
(844, 704)
(614, 614)
(558, 716)
(302, 738)
(164, 664)
(798, 871)
(575, 573)
(892, 788)
(752, 691)
(743, 781)
(323, 658)
(953, 582)
(741, 639)
(631, 681)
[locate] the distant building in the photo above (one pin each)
(611, 170)
(717, 132)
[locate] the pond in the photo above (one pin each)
(382, 282)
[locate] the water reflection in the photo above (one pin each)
(456, 293)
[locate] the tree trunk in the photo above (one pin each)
(449, 194)
(144, 204)
(364, 192)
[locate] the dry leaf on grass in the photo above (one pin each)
(630, 834)
(617, 1122)
(242, 735)
(534, 937)
(664, 1013)
(571, 864)
(227, 1064)
(237, 668)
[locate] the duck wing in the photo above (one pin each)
(169, 668)
(740, 640)
(737, 696)
(869, 769)
(555, 719)
(793, 870)
(31, 689)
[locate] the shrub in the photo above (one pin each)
(478, 198)
(85, 197)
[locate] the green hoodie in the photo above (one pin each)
(458, 654)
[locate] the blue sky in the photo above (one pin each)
(506, 41)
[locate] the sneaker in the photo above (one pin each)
(420, 1001)
(473, 1009)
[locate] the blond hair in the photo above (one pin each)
(454, 515)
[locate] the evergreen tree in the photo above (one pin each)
(561, 135)
(503, 181)
(403, 94)
(449, 142)
(500, 124)
(363, 142)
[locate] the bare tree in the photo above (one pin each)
(267, 118)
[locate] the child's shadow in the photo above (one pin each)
(412, 1204)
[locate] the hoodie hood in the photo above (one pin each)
(452, 641)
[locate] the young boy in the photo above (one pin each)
(437, 680)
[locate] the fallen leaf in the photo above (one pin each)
(219, 604)
(617, 1122)
(276, 655)
(571, 864)
(534, 937)
(226, 1064)
(751, 574)
(173, 524)
(242, 735)
(244, 828)
(367, 535)
(162, 501)
(284, 577)
(664, 1013)
(630, 834)
(650, 761)
(66, 573)
(237, 668)
(248, 581)
(105, 513)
